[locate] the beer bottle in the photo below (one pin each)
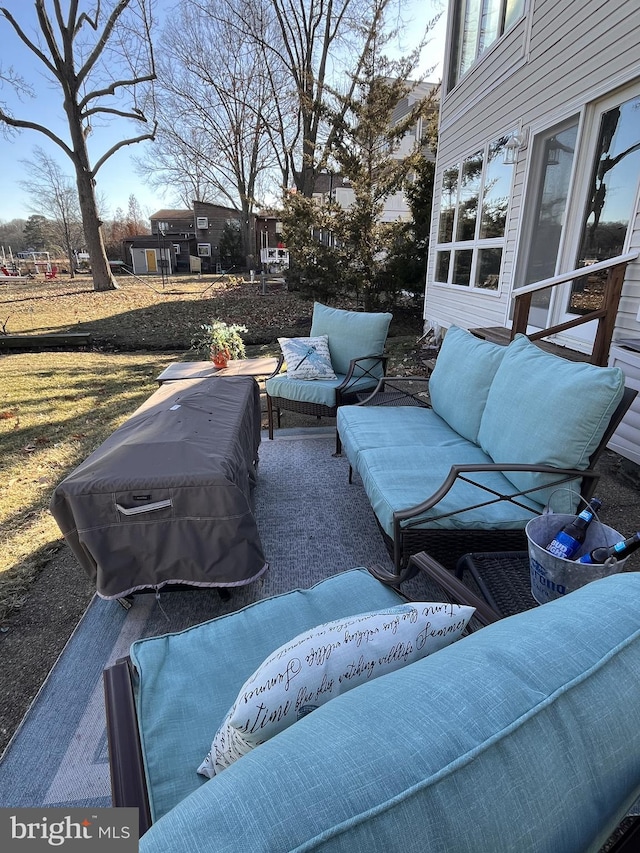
(567, 541)
(620, 550)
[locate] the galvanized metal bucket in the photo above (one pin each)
(551, 576)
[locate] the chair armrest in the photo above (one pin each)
(128, 781)
(455, 589)
(277, 368)
(361, 370)
(412, 514)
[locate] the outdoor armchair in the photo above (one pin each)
(356, 342)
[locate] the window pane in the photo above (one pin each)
(489, 24)
(469, 197)
(514, 10)
(557, 152)
(442, 266)
(497, 191)
(614, 184)
(462, 266)
(488, 272)
(611, 201)
(448, 204)
(469, 36)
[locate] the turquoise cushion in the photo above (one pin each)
(319, 391)
(543, 409)
(352, 334)
(521, 737)
(461, 379)
(187, 681)
(402, 477)
(370, 427)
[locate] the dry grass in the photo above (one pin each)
(57, 407)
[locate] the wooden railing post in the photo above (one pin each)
(521, 314)
(606, 324)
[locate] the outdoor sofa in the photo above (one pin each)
(509, 431)
(520, 736)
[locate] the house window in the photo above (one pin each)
(204, 250)
(162, 226)
(474, 203)
(202, 222)
(477, 25)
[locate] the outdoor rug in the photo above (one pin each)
(312, 524)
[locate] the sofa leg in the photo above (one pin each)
(270, 417)
(338, 445)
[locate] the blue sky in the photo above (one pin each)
(116, 180)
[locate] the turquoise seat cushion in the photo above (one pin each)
(319, 391)
(521, 737)
(370, 427)
(352, 334)
(556, 417)
(460, 382)
(402, 477)
(187, 681)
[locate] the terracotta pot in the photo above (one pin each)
(220, 358)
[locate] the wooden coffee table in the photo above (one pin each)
(263, 366)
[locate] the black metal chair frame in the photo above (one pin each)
(357, 371)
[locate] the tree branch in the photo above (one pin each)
(110, 90)
(104, 38)
(23, 38)
(113, 111)
(122, 144)
(30, 125)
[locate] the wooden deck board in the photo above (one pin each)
(501, 335)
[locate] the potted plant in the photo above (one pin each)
(220, 341)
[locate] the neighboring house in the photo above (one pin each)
(538, 170)
(396, 206)
(198, 240)
(189, 239)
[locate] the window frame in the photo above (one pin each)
(477, 244)
(455, 74)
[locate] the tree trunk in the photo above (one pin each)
(92, 226)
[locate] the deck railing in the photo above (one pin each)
(605, 314)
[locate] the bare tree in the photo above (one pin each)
(213, 102)
(99, 61)
(54, 195)
(310, 46)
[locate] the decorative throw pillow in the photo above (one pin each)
(307, 358)
(320, 664)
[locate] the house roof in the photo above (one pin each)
(168, 213)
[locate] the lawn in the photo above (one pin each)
(56, 407)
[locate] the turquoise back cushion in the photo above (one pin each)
(543, 409)
(352, 334)
(461, 379)
(522, 737)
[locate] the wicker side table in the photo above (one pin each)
(502, 577)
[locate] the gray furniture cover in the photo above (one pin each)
(167, 498)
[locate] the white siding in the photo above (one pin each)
(626, 439)
(563, 55)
